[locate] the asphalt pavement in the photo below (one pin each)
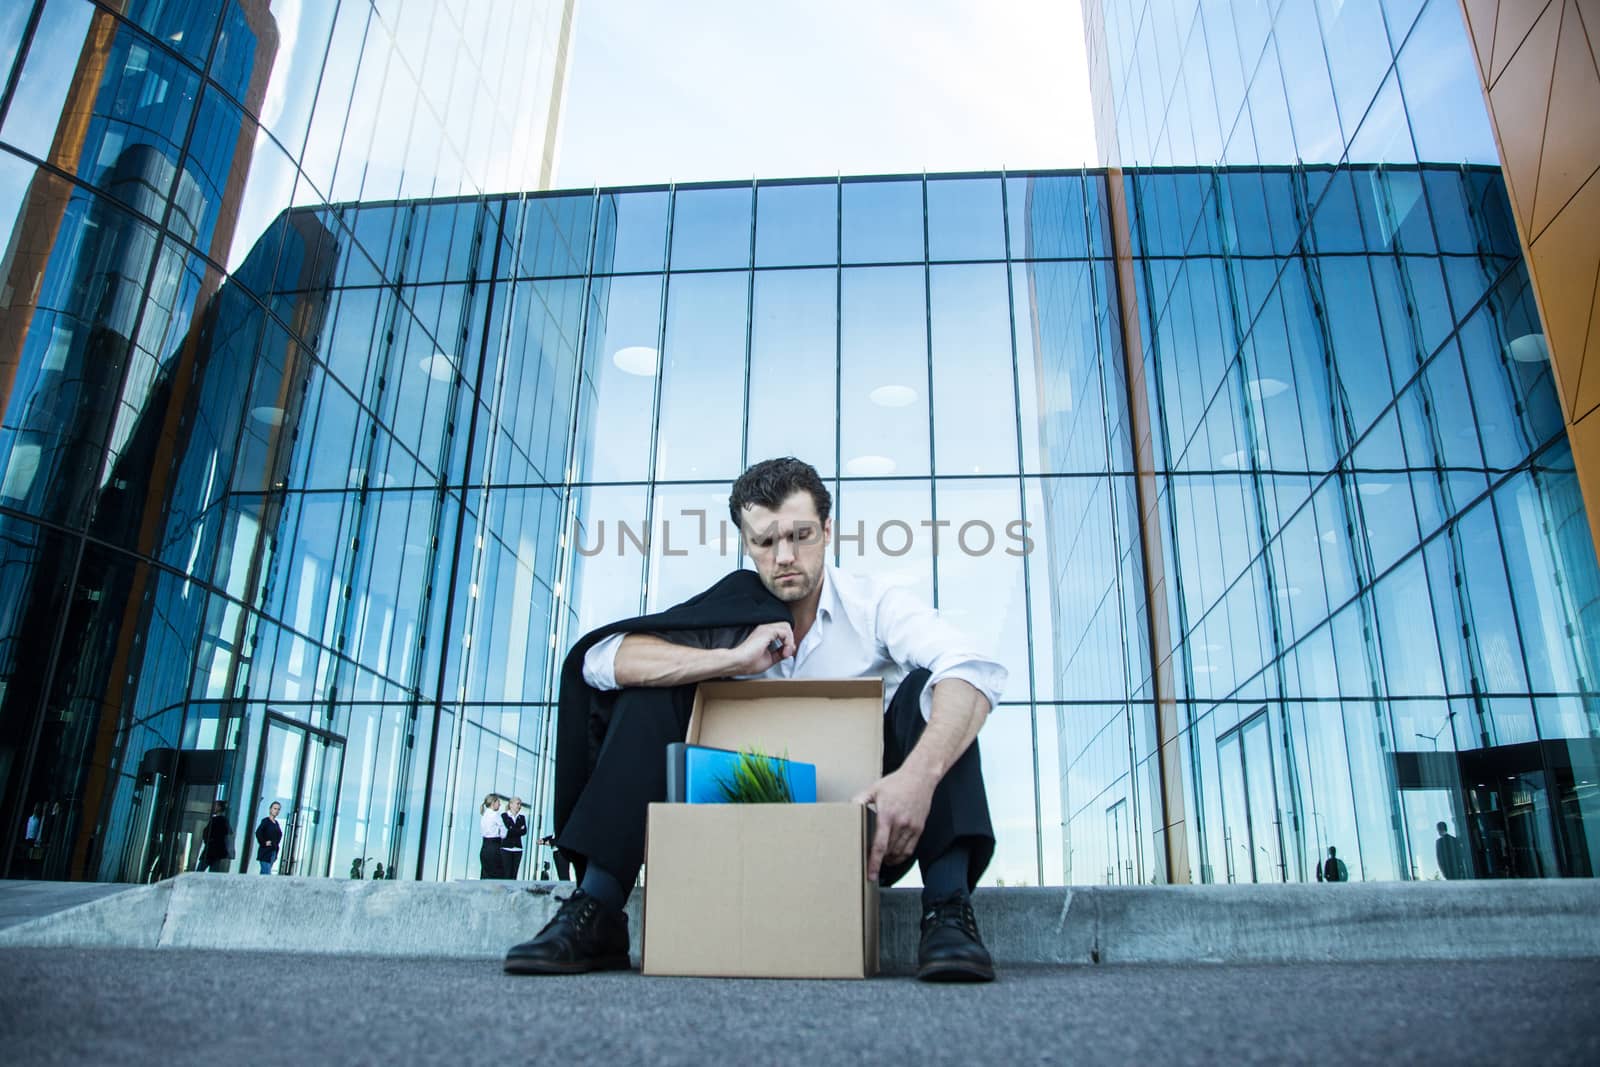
(184, 1006)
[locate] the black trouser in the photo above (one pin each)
(489, 858)
(608, 822)
(510, 862)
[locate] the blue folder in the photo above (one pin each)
(695, 774)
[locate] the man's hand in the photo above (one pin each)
(902, 800)
(757, 654)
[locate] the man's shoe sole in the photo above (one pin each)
(608, 963)
(955, 971)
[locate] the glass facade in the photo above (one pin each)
(1372, 588)
(315, 460)
(231, 481)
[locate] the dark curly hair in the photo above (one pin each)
(772, 481)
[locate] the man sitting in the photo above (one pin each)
(795, 617)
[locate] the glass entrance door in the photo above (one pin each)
(1250, 822)
(1119, 867)
(300, 769)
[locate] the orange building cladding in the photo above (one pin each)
(1537, 64)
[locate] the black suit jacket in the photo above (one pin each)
(720, 617)
(516, 829)
(217, 837)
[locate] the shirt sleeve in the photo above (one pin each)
(600, 663)
(915, 635)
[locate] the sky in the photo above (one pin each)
(733, 89)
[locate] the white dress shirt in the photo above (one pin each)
(864, 627)
(490, 825)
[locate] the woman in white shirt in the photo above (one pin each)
(493, 828)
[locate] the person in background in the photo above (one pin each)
(269, 836)
(1334, 869)
(516, 825)
(563, 863)
(493, 831)
(1447, 852)
(33, 840)
(216, 844)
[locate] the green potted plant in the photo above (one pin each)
(757, 778)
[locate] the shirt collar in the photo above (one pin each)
(828, 603)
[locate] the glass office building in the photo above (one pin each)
(1380, 723)
(1251, 475)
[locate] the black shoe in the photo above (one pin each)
(951, 950)
(584, 936)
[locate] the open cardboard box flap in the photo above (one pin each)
(836, 724)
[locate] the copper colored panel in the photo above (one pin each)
(1565, 261)
(1590, 10)
(1584, 436)
(1589, 369)
(1516, 18)
(1481, 15)
(1145, 488)
(1572, 131)
(1519, 100)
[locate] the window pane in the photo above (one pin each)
(965, 219)
(1046, 217)
(631, 234)
(974, 402)
(1059, 368)
(555, 235)
(884, 529)
(711, 228)
(794, 407)
(608, 569)
(980, 572)
(882, 221)
(884, 363)
(619, 378)
(702, 388)
(692, 542)
(797, 225)
(1006, 747)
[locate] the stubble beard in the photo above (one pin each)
(795, 592)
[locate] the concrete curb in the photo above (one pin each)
(1553, 919)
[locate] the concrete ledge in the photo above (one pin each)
(1369, 922)
(132, 918)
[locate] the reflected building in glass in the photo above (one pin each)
(174, 366)
(320, 450)
(1366, 550)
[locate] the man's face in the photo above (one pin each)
(789, 546)
(273, 811)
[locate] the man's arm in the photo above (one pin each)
(902, 798)
(646, 660)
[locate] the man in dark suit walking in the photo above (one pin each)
(217, 841)
(1448, 854)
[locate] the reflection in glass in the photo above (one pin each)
(883, 403)
(702, 385)
(793, 368)
(974, 398)
(620, 368)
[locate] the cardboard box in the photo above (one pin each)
(771, 890)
